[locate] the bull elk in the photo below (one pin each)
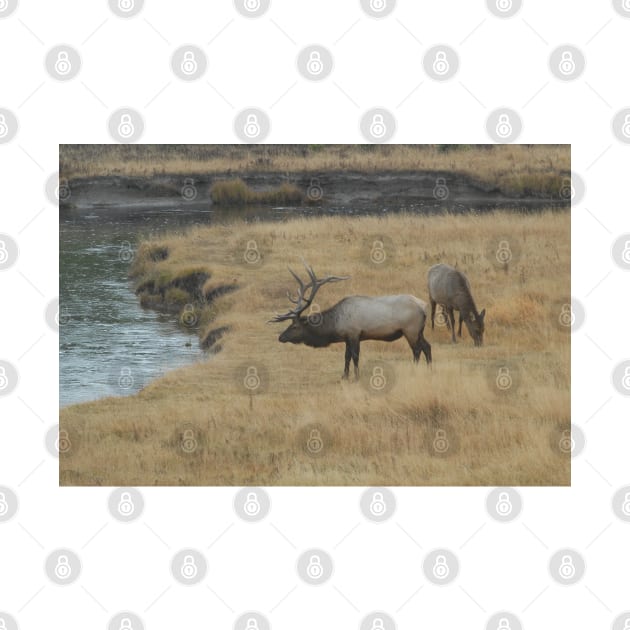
(354, 319)
(450, 288)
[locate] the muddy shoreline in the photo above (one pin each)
(327, 190)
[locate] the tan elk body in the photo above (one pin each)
(450, 288)
(354, 319)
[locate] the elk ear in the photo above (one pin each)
(482, 314)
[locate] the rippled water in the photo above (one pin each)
(108, 344)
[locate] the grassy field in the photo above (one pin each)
(514, 169)
(298, 423)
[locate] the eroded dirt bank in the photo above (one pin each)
(330, 190)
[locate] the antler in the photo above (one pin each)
(302, 302)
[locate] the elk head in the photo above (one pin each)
(476, 326)
(301, 330)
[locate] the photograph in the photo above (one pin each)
(315, 315)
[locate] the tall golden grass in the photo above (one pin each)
(514, 169)
(200, 425)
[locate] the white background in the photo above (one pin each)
(503, 62)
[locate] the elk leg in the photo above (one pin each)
(461, 319)
(355, 358)
(421, 345)
(451, 316)
(433, 305)
(346, 370)
(426, 347)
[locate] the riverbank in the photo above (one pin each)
(330, 174)
(248, 415)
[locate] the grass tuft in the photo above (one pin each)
(235, 192)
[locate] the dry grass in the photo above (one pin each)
(514, 169)
(236, 192)
(369, 439)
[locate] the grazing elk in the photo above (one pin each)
(450, 288)
(354, 319)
